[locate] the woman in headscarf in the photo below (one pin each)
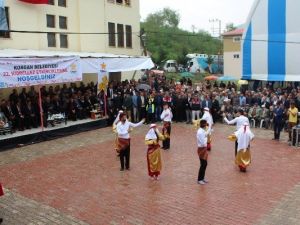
(153, 153)
(243, 136)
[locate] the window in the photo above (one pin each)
(51, 21)
(236, 39)
(120, 31)
(119, 2)
(62, 22)
(62, 3)
(51, 39)
(50, 2)
(6, 34)
(127, 2)
(111, 34)
(128, 36)
(64, 41)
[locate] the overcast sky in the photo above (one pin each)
(198, 12)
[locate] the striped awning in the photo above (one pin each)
(271, 41)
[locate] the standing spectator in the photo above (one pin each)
(143, 105)
(179, 109)
(242, 102)
(215, 108)
(188, 108)
(206, 103)
(127, 105)
(158, 101)
(23, 96)
(278, 120)
(293, 118)
(14, 97)
(265, 115)
(196, 108)
(150, 108)
(136, 105)
(255, 113)
(17, 111)
(167, 99)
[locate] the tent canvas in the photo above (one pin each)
(271, 42)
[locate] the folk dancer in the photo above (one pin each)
(208, 117)
(153, 153)
(114, 128)
(166, 117)
(243, 137)
(239, 121)
(202, 135)
(123, 129)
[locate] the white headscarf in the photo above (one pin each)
(244, 137)
(151, 135)
(118, 117)
(207, 116)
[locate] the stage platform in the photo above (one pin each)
(36, 135)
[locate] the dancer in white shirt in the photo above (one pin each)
(202, 134)
(166, 117)
(207, 116)
(239, 121)
(123, 129)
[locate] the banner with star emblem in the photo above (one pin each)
(102, 78)
(21, 72)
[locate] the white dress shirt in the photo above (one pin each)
(239, 121)
(202, 137)
(166, 115)
(123, 128)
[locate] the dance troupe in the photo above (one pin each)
(242, 138)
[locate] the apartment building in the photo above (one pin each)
(232, 53)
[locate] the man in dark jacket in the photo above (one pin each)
(278, 120)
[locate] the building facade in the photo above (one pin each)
(232, 53)
(105, 26)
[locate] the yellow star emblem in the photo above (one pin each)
(103, 66)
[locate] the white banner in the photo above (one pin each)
(90, 65)
(20, 72)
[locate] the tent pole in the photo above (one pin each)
(41, 108)
(105, 105)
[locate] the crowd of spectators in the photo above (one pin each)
(187, 101)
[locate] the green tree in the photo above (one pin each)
(165, 40)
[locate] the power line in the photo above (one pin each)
(205, 38)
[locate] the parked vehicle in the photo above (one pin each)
(170, 66)
(201, 63)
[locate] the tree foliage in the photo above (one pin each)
(165, 40)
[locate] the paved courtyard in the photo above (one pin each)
(76, 180)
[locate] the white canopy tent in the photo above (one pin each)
(90, 61)
(271, 41)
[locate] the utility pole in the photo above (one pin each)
(217, 30)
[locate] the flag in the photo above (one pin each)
(102, 78)
(3, 21)
(35, 1)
